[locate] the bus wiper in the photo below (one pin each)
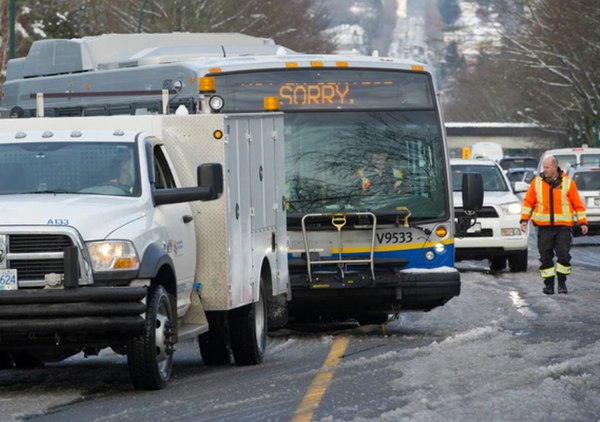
(327, 198)
(46, 191)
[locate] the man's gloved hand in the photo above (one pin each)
(584, 229)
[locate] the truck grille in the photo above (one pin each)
(36, 269)
(36, 243)
(35, 255)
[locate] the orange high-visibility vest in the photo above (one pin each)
(553, 206)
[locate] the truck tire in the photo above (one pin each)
(248, 326)
(150, 353)
(215, 346)
(518, 262)
(25, 360)
(498, 263)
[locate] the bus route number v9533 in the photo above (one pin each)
(392, 238)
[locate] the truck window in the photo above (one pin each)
(162, 172)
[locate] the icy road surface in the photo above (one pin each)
(501, 351)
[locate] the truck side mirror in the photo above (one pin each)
(211, 175)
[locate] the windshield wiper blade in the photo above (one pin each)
(45, 191)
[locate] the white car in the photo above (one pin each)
(587, 180)
(496, 235)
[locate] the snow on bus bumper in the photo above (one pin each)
(83, 309)
(412, 289)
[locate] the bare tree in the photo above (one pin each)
(546, 73)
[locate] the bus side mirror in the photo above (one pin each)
(472, 191)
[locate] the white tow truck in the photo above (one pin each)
(104, 242)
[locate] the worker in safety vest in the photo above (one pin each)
(380, 178)
(551, 202)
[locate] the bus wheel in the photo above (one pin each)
(215, 345)
(249, 331)
(25, 360)
(6, 361)
(150, 353)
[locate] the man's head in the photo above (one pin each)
(378, 159)
(550, 166)
(16, 112)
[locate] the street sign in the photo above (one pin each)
(466, 153)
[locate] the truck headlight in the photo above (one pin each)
(511, 208)
(113, 255)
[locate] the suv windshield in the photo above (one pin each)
(365, 161)
(515, 162)
(493, 181)
(100, 168)
(587, 180)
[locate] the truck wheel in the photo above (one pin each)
(215, 345)
(498, 263)
(150, 353)
(249, 331)
(6, 361)
(25, 360)
(518, 262)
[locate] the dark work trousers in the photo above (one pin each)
(553, 239)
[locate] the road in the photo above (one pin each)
(501, 351)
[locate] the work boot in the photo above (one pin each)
(562, 286)
(548, 286)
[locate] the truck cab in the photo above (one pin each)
(104, 243)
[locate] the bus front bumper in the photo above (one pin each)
(415, 290)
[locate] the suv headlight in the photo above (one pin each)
(512, 208)
(113, 255)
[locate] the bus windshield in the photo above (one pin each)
(365, 161)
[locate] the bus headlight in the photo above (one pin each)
(216, 103)
(439, 247)
(113, 255)
(429, 255)
(511, 208)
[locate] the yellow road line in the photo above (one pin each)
(313, 396)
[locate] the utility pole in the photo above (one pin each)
(11, 30)
(139, 28)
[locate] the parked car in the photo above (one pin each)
(587, 179)
(568, 157)
(496, 235)
(518, 162)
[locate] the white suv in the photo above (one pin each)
(496, 235)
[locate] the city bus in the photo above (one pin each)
(370, 224)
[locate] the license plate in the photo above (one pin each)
(597, 202)
(476, 228)
(8, 280)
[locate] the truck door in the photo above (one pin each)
(178, 234)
